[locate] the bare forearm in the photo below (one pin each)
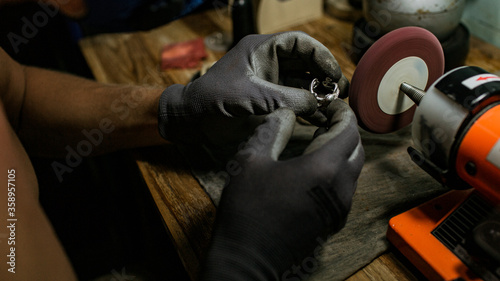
(12, 83)
(61, 112)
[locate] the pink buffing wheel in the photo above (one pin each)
(409, 54)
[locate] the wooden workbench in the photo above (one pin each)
(188, 213)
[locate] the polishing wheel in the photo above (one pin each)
(409, 55)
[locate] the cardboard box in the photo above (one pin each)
(276, 15)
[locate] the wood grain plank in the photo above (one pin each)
(134, 58)
(187, 210)
(387, 267)
(484, 55)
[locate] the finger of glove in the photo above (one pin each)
(318, 119)
(342, 137)
(292, 74)
(315, 56)
(248, 95)
(343, 84)
(266, 56)
(270, 138)
(273, 96)
(292, 45)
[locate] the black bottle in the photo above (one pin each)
(243, 20)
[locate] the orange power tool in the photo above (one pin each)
(456, 133)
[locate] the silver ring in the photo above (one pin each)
(328, 84)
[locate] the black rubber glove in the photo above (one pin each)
(272, 213)
(260, 74)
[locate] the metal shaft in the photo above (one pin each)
(414, 93)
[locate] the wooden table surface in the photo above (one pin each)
(188, 213)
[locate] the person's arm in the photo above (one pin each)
(54, 112)
(49, 111)
(30, 249)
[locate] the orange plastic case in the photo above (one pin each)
(411, 233)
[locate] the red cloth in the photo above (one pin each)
(186, 54)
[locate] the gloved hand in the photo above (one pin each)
(260, 74)
(272, 213)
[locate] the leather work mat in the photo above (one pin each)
(390, 183)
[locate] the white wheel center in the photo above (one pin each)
(411, 70)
